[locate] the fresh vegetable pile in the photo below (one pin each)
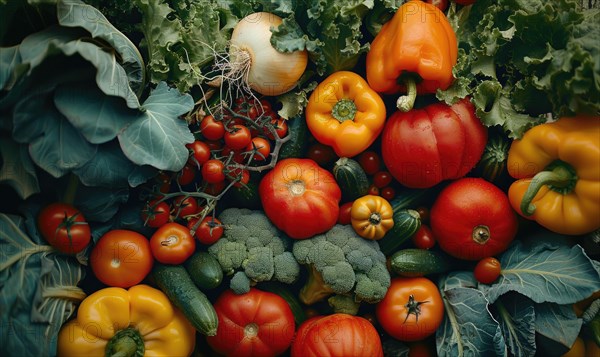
(312, 178)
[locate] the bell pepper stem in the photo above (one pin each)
(560, 177)
(125, 343)
(406, 102)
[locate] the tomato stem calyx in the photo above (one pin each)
(297, 187)
(413, 308)
(481, 234)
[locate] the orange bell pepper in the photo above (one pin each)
(135, 322)
(414, 51)
(558, 167)
(345, 113)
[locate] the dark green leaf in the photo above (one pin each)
(17, 170)
(517, 318)
(107, 168)
(100, 204)
(557, 322)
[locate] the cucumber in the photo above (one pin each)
(176, 283)
(418, 262)
(406, 223)
(297, 144)
(351, 178)
(288, 296)
(204, 270)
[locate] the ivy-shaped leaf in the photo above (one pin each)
(158, 136)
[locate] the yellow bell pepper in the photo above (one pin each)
(557, 165)
(140, 321)
(345, 113)
(371, 216)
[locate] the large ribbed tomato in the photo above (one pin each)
(425, 146)
(300, 198)
(473, 219)
(257, 323)
(337, 335)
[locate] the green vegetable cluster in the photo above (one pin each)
(253, 250)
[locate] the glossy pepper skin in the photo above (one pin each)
(557, 165)
(142, 318)
(371, 217)
(345, 113)
(417, 42)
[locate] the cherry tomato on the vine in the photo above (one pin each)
(212, 171)
(121, 258)
(187, 175)
(64, 227)
(172, 244)
(184, 206)
(370, 161)
(344, 215)
(241, 175)
(423, 237)
(280, 126)
(238, 137)
(156, 214)
(382, 179)
(211, 128)
(261, 148)
(487, 270)
(215, 189)
(236, 155)
(208, 231)
(200, 151)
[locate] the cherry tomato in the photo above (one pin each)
(321, 154)
(370, 161)
(411, 310)
(64, 227)
(184, 206)
(423, 237)
(211, 128)
(212, 171)
(423, 213)
(344, 215)
(215, 189)
(280, 126)
(121, 258)
(208, 231)
(373, 190)
(236, 155)
(187, 175)
(388, 193)
(261, 148)
(487, 270)
(237, 173)
(214, 145)
(172, 244)
(200, 151)
(440, 4)
(238, 137)
(382, 179)
(164, 181)
(156, 214)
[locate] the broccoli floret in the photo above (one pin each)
(341, 262)
(253, 249)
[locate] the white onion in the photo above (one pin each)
(264, 69)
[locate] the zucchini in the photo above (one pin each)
(288, 296)
(418, 262)
(204, 270)
(492, 164)
(406, 223)
(297, 144)
(176, 283)
(351, 178)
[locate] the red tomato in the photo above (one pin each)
(200, 151)
(184, 206)
(423, 238)
(425, 146)
(370, 161)
(236, 155)
(344, 215)
(388, 193)
(261, 148)
(172, 244)
(238, 137)
(337, 335)
(411, 310)
(423, 213)
(382, 179)
(472, 219)
(440, 4)
(373, 190)
(300, 197)
(187, 175)
(212, 171)
(211, 128)
(487, 270)
(208, 231)
(236, 173)
(156, 214)
(280, 126)
(121, 258)
(321, 154)
(64, 227)
(257, 323)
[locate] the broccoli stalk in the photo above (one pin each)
(344, 304)
(315, 288)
